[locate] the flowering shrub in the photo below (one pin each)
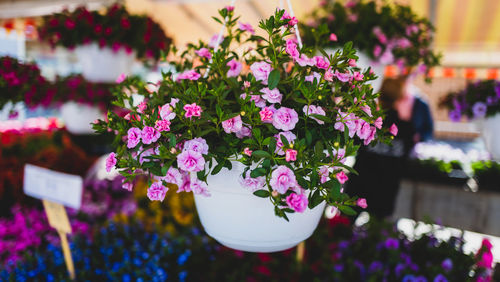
(115, 28)
(479, 100)
(19, 80)
(289, 118)
(387, 33)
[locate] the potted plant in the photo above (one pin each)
(106, 43)
(383, 33)
(487, 174)
(479, 102)
(262, 130)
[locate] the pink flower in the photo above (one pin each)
(162, 125)
(411, 29)
(364, 130)
(291, 49)
(234, 68)
(213, 40)
(371, 136)
(189, 74)
(247, 151)
(333, 37)
(312, 109)
(304, 60)
(297, 202)
(282, 178)
(387, 57)
(173, 176)
(328, 75)
(380, 35)
(142, 107)
(252, 184)
(246, 84)
(377, 50)
(272, 96)
(313, 76)
(157, 192)
(199, 187)
(192, 110)
(204, 52)
(133, 137)
(404, 43)
(261, 71)
(266, 115)
(233, 124)
(259, 102)
(110, 161)
(321, 62)
(167, 112)
(197, 144)
(393, 129)
(246, 27)
(285, 119)
(358, 76)
(341, 177)
(361, 202)
(324, 173)
(352, 62)
(229, 8)
(367, 110)
(245, 131)
(290, 137)
(344, 77)
(378, 123)
(291, 155)
(185, 185)
(121, 78)
(127, 185)
(190, 161)
(149, 135)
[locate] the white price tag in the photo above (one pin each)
(46, 184)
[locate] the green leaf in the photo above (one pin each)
(321, 117)
(308, 137)
(347, 210)
(284, 140)
(261, 193)
(267, 141)
(350, 169)
(259, 154)
(217, 168)
(273, 79)
(258, 172)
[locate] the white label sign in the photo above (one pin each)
(46, 184)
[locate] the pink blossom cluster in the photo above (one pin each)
(357, 126)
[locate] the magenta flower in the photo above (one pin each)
(261, 71)
(364, 130)
(246, 27)
(341, 177)
(370, 137)
(358, 76)
(272, 96)
(157, 192)
(367, 110)
(291, 155)
(162, 125)
(304, 60)
(245, 131)
(192, 110)
(285, 119)
(393, 129)
(197, 144)
(142, 107)
(252, 184)
(121, 78)
(173, 176)
(312, 109)
(234, 68)
(297, 202)
(167, 112)
(247, 151)
(352, 63)
(133, 137)
(321, 62)
(233, 124)
(110, 161)
(189, 74)
(377, 50)
(266, 115)
(361, 202)
(190, 161)
(185, 185)
(290, 137)
(333, 37)
(378, 123)
(382, 38)
(291, 49)
(199, 187)
(344, 77)
(229, 8)
(127, 185)
(328, 75)
(149, 135)
(282, 178)
(204, 52)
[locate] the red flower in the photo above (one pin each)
(108, 31)
(262, 269)
(69, 23)
(125, 23)
(98, 28)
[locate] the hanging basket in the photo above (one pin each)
(236, 218)
(103, 64)
(490, 132)
(78, 117)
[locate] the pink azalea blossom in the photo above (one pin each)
(234, 68)
(197, 144)
(189, 74)
(134, 135)
(199, 187)
(358, 76)
(361, 202)
(149, 135)
(229, 8)
(186, 184)
(167, 112)
(245, 131)
(324, 173)
(285, 119)
(272, 96)
(297, 202)
(367, 110)
(173, 176)
(157, 192)
(247, 152)
(162, 125)
(344, 77)
(321, 62)
(370, 137)
(304, 60)
(341, 177)
(246, 84)
(393, 129)
(312, 109)
(233, 124)
(266, 115)
(246, 27)
(377, 50)
(382, 38)
(121, 78)
(291, 49)
(127, 185)
(328, 75)
(259, 102)
(282, 178)
(252, 184)
(204, 52)
(290, 137)
(378, 123)
(192, 110)
(364, 130)
(293, 20)
(291, 155)
(404, 43)
(190, 161)
(333, 37)
(261, 71)
(142, 107)
(352, 63)
(313, 76)
(110, 161)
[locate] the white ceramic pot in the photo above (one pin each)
(490, 132)
(103, 64)
(78, 117)
(236, 218)
(363, 63)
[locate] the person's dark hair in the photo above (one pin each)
(391, 91)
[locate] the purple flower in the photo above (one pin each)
(497, 90)
(272, 96)
(252, 184)
(375, 266)
(246, 27)
(233, 124)
(399, 268)
(282, 178)
(157, 192)
(447, 264)
(479, 110)
(173, 176)
(338, 267)
(312, 109)
(455, 115)
(197, 144)
(290, 137)
(110, 161)
(261, 71)
(285, 119)
(150, 135)
(440, 278)
(297, 202)
(189, 74)
(204, 52)
(391, 243)
(234, 68)
(190, 161)
(133, 137)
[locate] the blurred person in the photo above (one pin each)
(381, 166)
